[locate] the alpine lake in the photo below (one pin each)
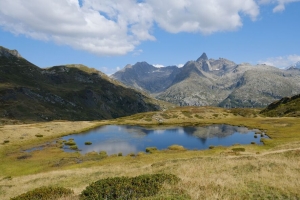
(115, 139)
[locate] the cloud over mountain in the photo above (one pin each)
(114, 27)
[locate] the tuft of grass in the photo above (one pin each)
(103, 154)
(176, 147)
(70, 142)
(238, 149)
(131, 154)
(39, 135)
(151, 149)
(5, 141)
(73, 147)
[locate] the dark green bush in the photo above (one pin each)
(127, 188)
(88, 143)
(120, 154)
(44, 193)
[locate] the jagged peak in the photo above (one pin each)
(9, 53)
(202, 57)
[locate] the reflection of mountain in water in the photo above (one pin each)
(203, 133)
(220, 131)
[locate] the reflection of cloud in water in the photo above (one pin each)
(111, 148)
(159, 132)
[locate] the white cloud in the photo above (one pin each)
(116, 27)
(117, 30)
(280, 4)
(158, 65)
(281, 61)
(201, 15)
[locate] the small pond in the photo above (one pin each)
(132, 139)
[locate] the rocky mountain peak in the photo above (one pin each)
(202, 57)
(9, 53)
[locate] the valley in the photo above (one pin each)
(42, 109)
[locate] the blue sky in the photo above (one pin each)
(108, 34)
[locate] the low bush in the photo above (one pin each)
(211, 147)
(120, 154)
(127, 188)
(45, 193)
(5, 141)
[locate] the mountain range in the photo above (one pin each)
(66, 92)
(216, 82)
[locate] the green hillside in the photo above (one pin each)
(286, 107)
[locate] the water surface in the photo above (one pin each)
(132, 139)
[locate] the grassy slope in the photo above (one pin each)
(269, 171)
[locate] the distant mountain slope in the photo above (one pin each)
(68, 92)
(218, 82)
(285, 107)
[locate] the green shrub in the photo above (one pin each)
(127, 188)
(151, 149)
(211, 147)
(88, 143)
(238, 149)
(176, 147)
(5, 141)
(253, 143)
(120, 154)
(44, 193)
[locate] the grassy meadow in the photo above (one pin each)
(270, 171)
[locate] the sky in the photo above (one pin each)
(109, 34)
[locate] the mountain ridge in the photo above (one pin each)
(217, 82)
